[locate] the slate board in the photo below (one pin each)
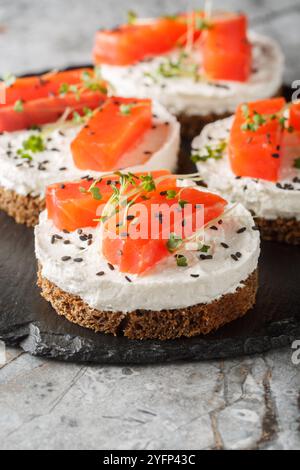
(29, 321)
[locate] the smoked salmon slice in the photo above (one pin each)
(256, 138)
(47, 110)
(113, 130)
(295, 116)
(43, 86)
(137, 255)
(227, 53)
(129, 44)
(72, 205)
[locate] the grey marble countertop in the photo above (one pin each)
(245, 403)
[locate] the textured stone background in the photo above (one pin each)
(238, 404)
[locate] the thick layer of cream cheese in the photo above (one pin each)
(266, 199)
(56, 164)
(167, 286)
(185, 95)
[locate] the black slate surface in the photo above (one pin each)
(29, 321)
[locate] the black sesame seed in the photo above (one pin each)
(78, 260)
(53, 239)
(67, 242)
(63, 168)
(66, 258)
(128, 279)
(275, 155)
(111, 267)
(234, 257)
(79, 231)
(241, 230)
(101, 273)
(66, 231)
(205, 257)
(220, 222)
(130, 217)
(195, 276)
(213, 228)
(58, 237)
(224, 245)
(238, 254)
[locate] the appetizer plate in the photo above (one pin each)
(28, 321)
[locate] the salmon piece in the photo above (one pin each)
(112, 131)
(295, 116)
(71, 206)
(47, 110)
(227, 53)
(138, 256)
(41, 86)
(129, 44)
(257, 153)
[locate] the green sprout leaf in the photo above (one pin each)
(148, 183)
(19, 106)
(171, 194)
(182, 203)
(131, 17)
(205, 249)
(64, 89)
(96, 193)
(34, 143)
(297, 163)
(215, 153)
(201, 24)
(181, 261)
(174, 242)
(125, 109)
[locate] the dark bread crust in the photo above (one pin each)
(24, 209)
(163, 325)
(191, 126)
(280, 230)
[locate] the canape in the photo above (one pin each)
(63, 126)
(201, 66)
(253, 158)
(146, 255)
